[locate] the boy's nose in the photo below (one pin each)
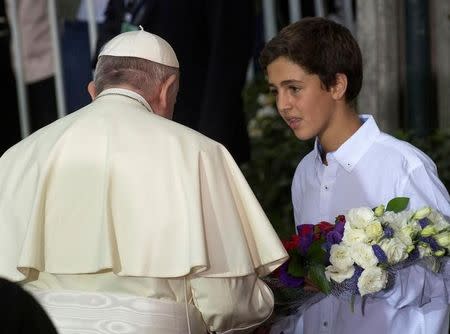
(283, 103)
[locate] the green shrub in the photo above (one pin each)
(275, 155)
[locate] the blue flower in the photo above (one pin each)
(388, 232)
(414, 255)
(432, 242)
(423, 222)
(334, 237)
(379, 253)
(352, 283)
(287, 279)
(339, 227)
(305, 243)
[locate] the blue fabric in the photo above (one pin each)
(77, 69)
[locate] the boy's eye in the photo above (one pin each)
(273, 91)
(294, 89)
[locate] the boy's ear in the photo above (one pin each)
(340, 87)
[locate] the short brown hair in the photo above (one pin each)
(320, 46)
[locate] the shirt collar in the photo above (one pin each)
(351, 151)
(127, 93)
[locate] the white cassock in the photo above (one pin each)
(117, 201)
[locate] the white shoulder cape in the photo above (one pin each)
(115, 187)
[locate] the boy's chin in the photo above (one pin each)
(303, 136)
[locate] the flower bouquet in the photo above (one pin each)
(359, 254)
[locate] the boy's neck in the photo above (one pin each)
(343, 126)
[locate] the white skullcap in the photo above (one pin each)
(141, 44)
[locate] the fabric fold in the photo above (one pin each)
(417, 285)
(93, 199)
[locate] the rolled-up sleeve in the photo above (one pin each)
(232, 304)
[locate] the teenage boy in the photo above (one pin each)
(314, 69)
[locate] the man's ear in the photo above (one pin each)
(164, 98)
(340, 87)
(92, 90)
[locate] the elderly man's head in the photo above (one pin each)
(142, 62)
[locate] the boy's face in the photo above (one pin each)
(302, 102)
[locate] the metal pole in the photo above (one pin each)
(20, 81)
(59, 80)
(319, 8)
(270, 26)
(92, 25)
(349, 16)
(418, 68)
(295, 10)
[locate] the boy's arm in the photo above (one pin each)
(415, 285)
(424, 188)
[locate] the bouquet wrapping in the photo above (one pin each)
(360, 254)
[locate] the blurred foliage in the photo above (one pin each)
(275, 155)
(276, 152)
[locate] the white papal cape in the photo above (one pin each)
(116, 187)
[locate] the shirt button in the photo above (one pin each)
(325, 324)
(326, 187)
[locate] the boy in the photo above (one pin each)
(314, 69)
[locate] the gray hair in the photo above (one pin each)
(143, 75)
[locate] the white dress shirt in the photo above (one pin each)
(369, 169)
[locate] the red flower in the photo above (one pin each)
(325, 227)
(292, 243)
(340, 219)
(305, 229)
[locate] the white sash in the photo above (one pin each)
(80, 312)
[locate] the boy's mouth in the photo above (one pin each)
(293, 122)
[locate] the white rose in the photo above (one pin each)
(397, 220)
(404, 228)
(379, 210)
(387, 217)
(394, 249)
(360, 217)
(439, 252)
(374, 231)
(424, 250)
(438, 220)
(429, 231)
(338, 275)
(363, 255)
(340, 256)
(422, 213)
(443, 239)
(406, 234)
(372, 280)
(352, 235)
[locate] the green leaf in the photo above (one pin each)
(397, 204)
(295, 268)
(316, 274)
(315, 253)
